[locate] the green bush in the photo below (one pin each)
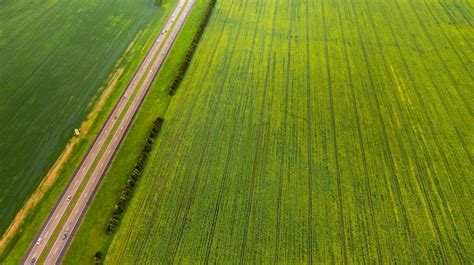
(98, 257)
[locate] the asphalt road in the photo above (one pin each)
(94, 165)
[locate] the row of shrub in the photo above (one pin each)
(127, 191)
(191, 49)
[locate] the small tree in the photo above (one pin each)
(98, 257)
(159, 2)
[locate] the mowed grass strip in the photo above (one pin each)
(315, 131)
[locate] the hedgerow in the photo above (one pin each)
(135, 174)
(191, 49)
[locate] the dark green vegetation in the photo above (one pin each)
(315, 131)
(98, 257)
(160, 2)
(55, 56)
(137, 171)
(190, 52)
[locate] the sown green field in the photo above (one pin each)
(54, 59)
(315, 132)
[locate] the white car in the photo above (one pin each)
(68, 198)
(38, 241)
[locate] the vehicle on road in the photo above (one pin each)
(39, 241)
(33, 260)
(68, 198)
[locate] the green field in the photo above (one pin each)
(316, 132)
(54, 59)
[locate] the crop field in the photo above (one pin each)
(315, 132)
(55, 57)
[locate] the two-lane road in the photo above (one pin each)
(65, 217)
